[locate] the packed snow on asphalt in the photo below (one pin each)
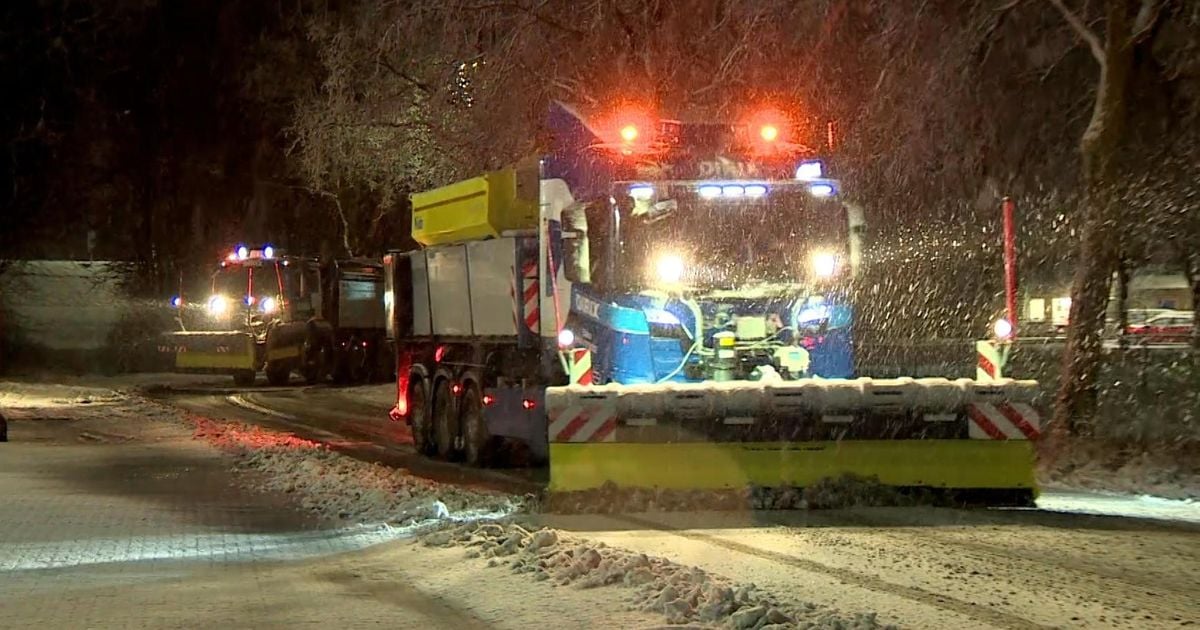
(595, 569)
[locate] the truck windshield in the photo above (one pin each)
(724, 244)
(236, 281)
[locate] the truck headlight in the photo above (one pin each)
(824, 264)
(218, 305)
(669, 268)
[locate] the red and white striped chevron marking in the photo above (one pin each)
(1004, 421)
(533, 317)
(581, 366)
(585, 421)
(989, 364)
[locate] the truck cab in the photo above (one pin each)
(700, 251)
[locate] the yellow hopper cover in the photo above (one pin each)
(477, 208)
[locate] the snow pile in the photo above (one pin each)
(47, 412)
(840, 492)
(338, 487)
(683, 595)
(17, 395)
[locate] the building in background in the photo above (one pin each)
(1046, 306)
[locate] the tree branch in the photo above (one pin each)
(420, 85)
(1147, 18)
(534, 12)
(1081, 29)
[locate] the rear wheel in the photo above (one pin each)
(357, 364)
(418, 416)
(243, 378)
(279, 373)
(475, 433)
(445, 425)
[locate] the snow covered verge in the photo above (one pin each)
(683, 595)
(340, 488)
(1169, 470)
(16, 395)
(84, 412)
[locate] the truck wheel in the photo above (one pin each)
(316, 360)
(475, 433)
(243, 378)
(341, 363)
(445, 425)
(356, 362)
(279, 373)
(418, 416)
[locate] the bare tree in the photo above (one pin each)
(1126, 25)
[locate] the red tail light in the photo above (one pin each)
(488, 400)
(528, 404)
(456, 389)
(403, 363)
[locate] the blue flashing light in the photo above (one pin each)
(755, 191)
(176, 301)
(243, 252)
(821, 190)
(710, 191)
(733, 191)
(641, 192)
(268, 252)
(808, 171)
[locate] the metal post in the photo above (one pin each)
(1010, 263)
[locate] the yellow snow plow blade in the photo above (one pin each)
(210, 352)
(949, 464)
(935, 434)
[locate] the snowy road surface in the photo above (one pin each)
(1063, 565)
(938, 568)
(114, 517)
(102, 497)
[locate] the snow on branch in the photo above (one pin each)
(1086, 34)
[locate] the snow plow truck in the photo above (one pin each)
(275, 313)
(664, 304)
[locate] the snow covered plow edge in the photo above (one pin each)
(930, 433)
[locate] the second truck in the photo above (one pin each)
(267, 311)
